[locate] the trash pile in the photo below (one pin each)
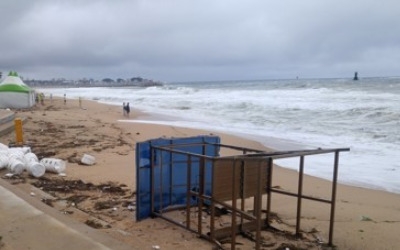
(18, 159)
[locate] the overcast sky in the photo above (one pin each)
(199, 40)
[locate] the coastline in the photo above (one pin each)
(365, 218)
(260, 112)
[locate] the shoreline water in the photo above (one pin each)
(346, 176)
(272, 143)
(318, 113)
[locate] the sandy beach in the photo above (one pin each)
(365, 218)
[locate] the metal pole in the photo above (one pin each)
(242, 188)
(269, 185)
(212, 207)
(234, 196)
(333, 200)
(259, 205)
(299, 195)
(201, 193)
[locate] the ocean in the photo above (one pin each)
(362, 115)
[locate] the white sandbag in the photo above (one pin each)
(15, 166)
(30, 157)
(17, 154)
(33, 166)
(53, 165)
(23, 149)
(3, 159)
(88, 159)
(3, 147)
(36, 169)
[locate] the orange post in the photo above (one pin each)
(19, 135)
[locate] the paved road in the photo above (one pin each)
(24, 226)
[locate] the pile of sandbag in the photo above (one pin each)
(18, 159)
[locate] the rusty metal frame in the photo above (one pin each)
(255, 222)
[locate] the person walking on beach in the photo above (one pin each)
(65, 99)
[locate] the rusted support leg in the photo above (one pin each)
(333, 200)
(299, 195)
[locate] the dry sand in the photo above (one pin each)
(365, 219)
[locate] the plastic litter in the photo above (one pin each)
(33, 166)
(3, 160)
(36, 169)
(53, 165)
(16, 166)
(88, 159)
(30, 157)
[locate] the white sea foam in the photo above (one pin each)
(329, 113)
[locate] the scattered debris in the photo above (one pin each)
(100, 205)
(48, 202)
(366, 218)
(93, 224)
(14, 178)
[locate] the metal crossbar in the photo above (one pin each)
(238, 177)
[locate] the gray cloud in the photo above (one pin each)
(180, 40)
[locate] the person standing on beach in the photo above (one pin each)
(39, 98)
(128, 109)
(123, 109)
(65, 99)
